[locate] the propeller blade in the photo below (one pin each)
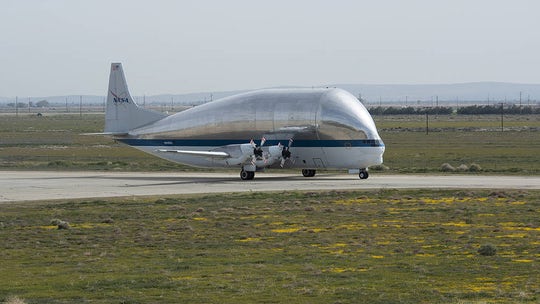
(290, 142)
(263, 140)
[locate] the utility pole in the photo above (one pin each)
(80, 106)
(67, 109)
(16, 106)
(427, 121)
(519, 102)
(502, 117)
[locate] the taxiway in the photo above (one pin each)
(48, 185)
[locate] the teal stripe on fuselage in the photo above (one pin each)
(225, 142)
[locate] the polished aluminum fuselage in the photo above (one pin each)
(330, 129)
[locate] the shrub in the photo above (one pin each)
(487, 250)
(14, 300)
(475, 167)
(463, 167)
(446, 167)
(61, 224)
(59, 163)
(379, 168)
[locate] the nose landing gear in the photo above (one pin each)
(363, 174)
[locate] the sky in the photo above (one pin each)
(65, 47)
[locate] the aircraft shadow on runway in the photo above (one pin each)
(186, 180)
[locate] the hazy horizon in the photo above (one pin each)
(472, 93)
(61, 47)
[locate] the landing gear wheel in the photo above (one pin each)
(363, 174)
(308, 172)
(247, 175)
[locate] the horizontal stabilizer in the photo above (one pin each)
(198, 153)
(107, 134)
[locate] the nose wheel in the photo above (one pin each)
(363, 174)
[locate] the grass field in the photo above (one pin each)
(461, 140)
(58, 142)
(386, 246)
(55, 142)
(317, 247)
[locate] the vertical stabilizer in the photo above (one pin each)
(122, 113)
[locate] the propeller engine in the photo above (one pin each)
(257, 151)
(275, 153)
(286, 153)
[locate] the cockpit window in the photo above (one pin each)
(343, 117)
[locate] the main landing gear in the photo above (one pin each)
(363, 174)
(247, 175)
(308, 172)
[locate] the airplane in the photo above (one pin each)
(305, 128)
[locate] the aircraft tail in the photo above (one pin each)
(122, 114)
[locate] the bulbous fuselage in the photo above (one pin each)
(330, 128)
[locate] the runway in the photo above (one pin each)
(47, 185)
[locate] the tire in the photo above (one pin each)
(245, 175)
(308, 172)
(363, 174)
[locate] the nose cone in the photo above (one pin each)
(343, 117)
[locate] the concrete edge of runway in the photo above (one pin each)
(17, 186)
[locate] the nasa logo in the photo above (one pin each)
(117, 99)
(120, 100)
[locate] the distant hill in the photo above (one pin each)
(411, 94)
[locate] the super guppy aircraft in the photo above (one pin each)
(308, 129)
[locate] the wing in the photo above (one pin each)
(213, 154)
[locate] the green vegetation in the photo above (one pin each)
(496, 109)
(410, 110)
(54, 142)
(295, 247)
(57, 142)
(473, 141)
(464, 110)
